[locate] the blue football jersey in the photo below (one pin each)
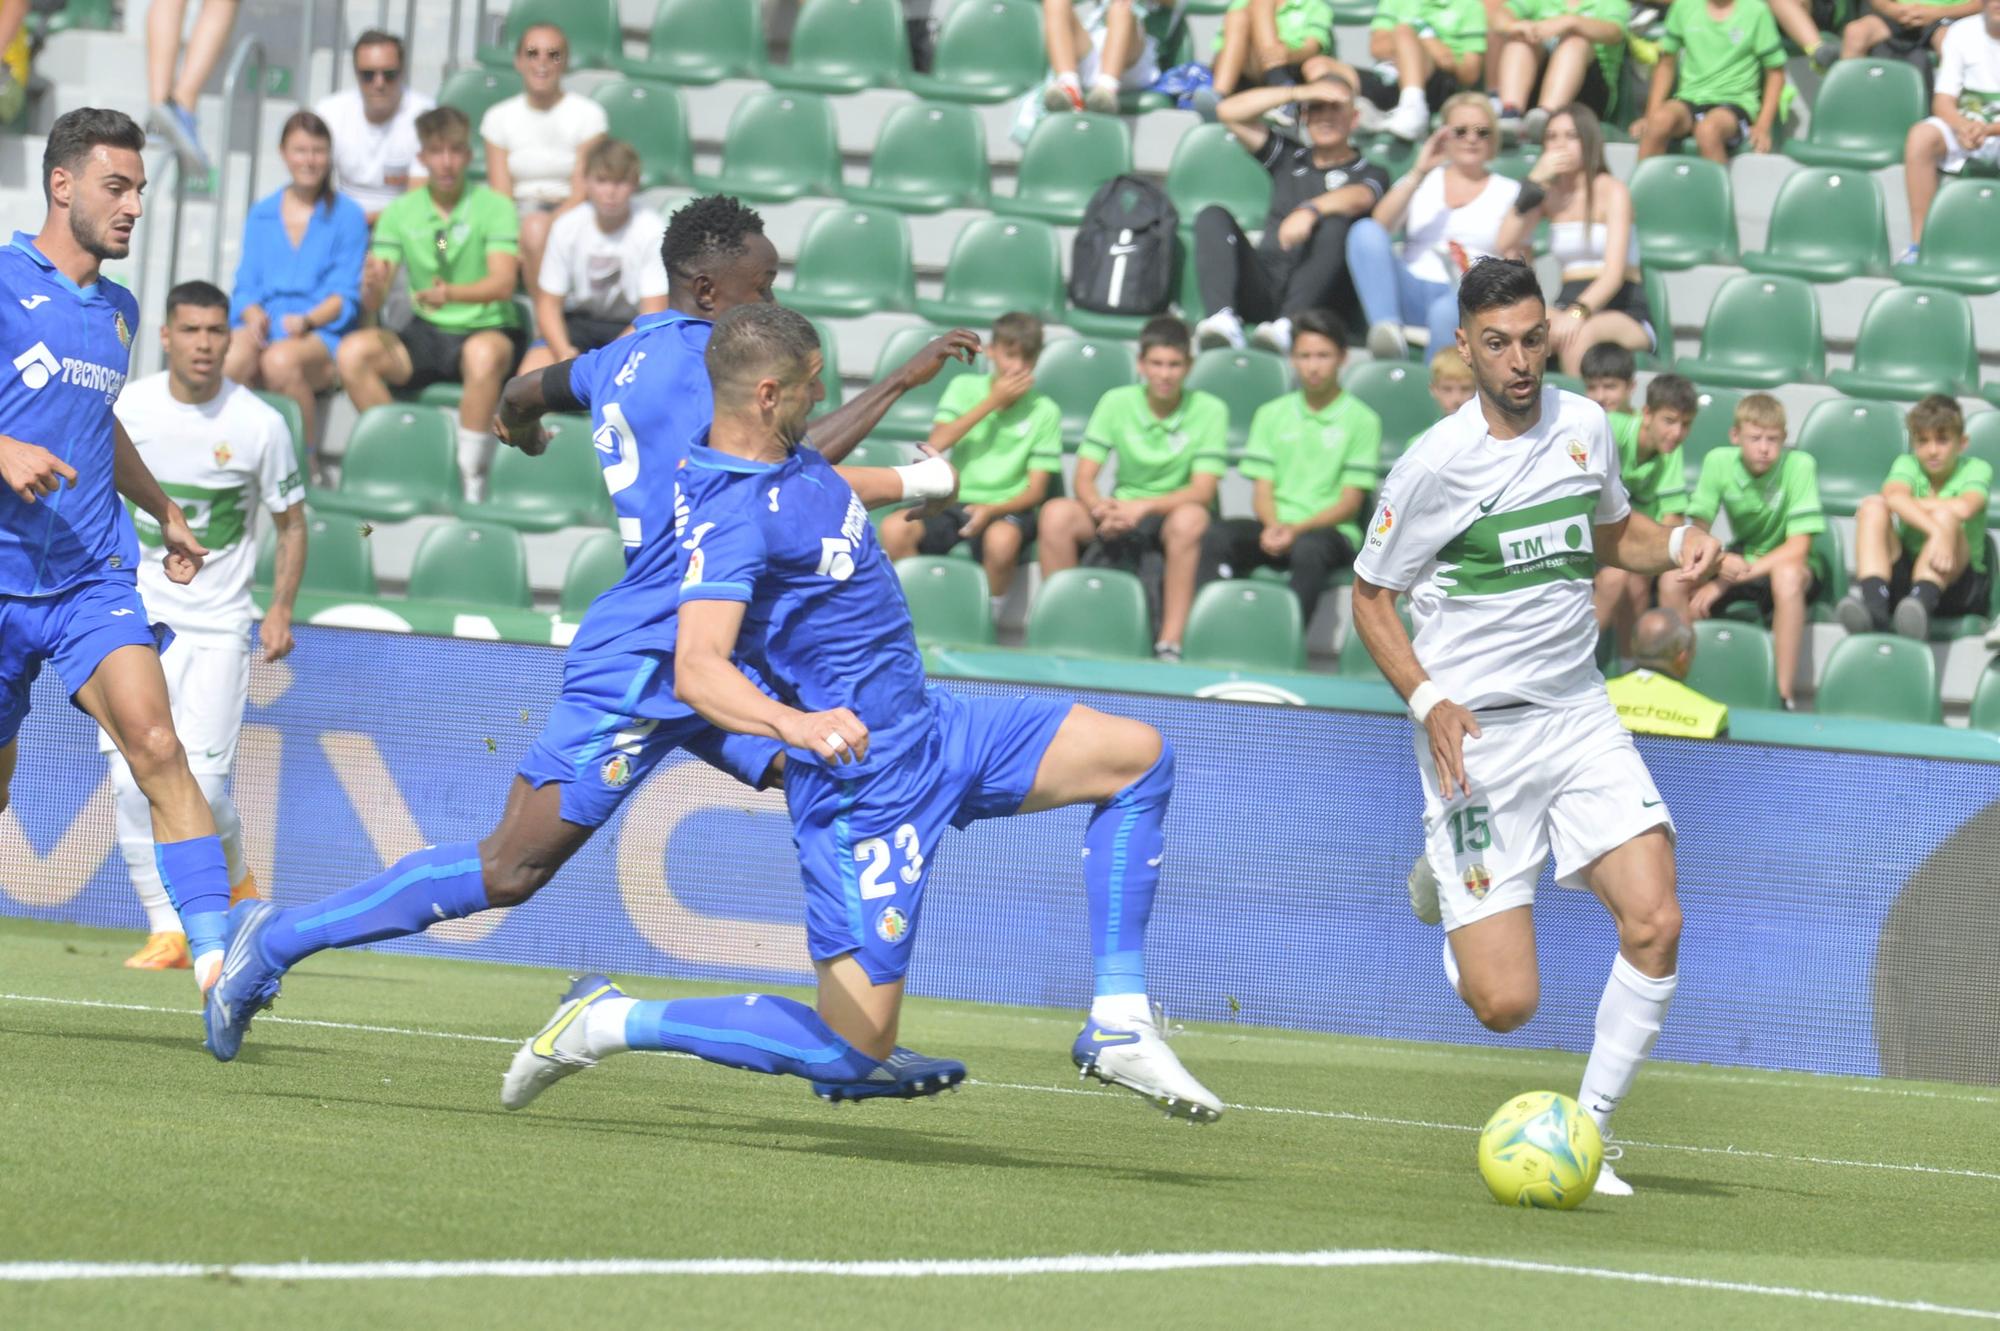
(825, 621)
(70, 347)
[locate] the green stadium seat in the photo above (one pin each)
(927, 158)
(1177, 48)
(1686, 212)
(999, 264)
(1958, 252)
(339, 559)
(1210, 166)
(1982, 440)
(1861, 115)
(1244, 380)
(1913, 341)
(1827, 225)
(1569, 383)
(1355, 661)
(780, 146)
(829, 368)
(1828, 560)
(295, 421)
(472, 563)
(1066, 159)
(1735, 664)
(649, 116)
(1715, 412)
(590, 25)
(476, 91)
(910, 418)
(561, 487)
(1944, 628)
(1762, 332)
(1991, 392)
(986, 51)
(1093, 611)
(1986, 699)
(852, 262)
(700, 42)
(401, 461)
(1855, 444)
(1243, 625)
(593, 567)
(1400, 393)
(1880, 677)
(878, 452)
(845, 46)
(444, 396)
(949, 601)
(1075, 372)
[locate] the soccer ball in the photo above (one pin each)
(1540, 1149)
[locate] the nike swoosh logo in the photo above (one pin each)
(1112, 1037)
(545, 1043)
(213, 753)
(1651, 804)
(1487, 507)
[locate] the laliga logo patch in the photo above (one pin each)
(1378, 530)
(892, 925)
(1477, 882)
(1578, 453)
(616, 772)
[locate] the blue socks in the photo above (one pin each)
(1122, 871)
(755, 1032)
(436, 883)
(196, 878)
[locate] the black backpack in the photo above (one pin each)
(1123, 260)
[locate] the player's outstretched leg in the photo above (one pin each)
(166, 946)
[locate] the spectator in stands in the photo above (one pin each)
(1721, 70)
(1920, 545)
(1653, 699)
(1439, 50)
(1795, 18)
(1900, 29)
(1005, 439)
(1318, 188)
(1649, 463)
(1314, 455)
(1450, 208)
(172, 94)
(1575, 47)
(1266, 41)
(16, 52)
(1771, 494)
(459, 245)
(1964, 124)
(1170, 448)
(1591, 234)
(537, 140)
(374, 126)
(1452, 384)
(602, 268)
(1100, 48)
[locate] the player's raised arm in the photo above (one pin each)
(706, 679)
(836, 433)
(526, 398)
(135, 481)
(929, 480)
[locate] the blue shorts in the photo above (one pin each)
(616, 719)
(866, 848)
(76, 629)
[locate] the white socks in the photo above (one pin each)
(1628, 1022)
(475, 456)
(1451, 968)
(604, 1026)
(1121, 1011)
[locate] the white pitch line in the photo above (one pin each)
(932, 1269)
(1337, 1115)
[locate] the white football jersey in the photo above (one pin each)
(1492, 540)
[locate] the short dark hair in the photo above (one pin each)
(377, 37)
(1020, 333)
(202, 295)
(707, 230)
(441, 123)
(1494, 284)
(76, 132)
(1608, 360)
(751, 341)
(1670, 392)
(1324, 323)
(1166, 331)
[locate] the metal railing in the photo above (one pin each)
(247, 51)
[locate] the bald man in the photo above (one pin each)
(1663, 643)
(1653, 700)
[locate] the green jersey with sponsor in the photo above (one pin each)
(1459, 24)
(1764, 511)
(1657, 485)
(1722, 59)
(1156, 454)
(997, 453)
(1970, 476)
(453, 247)
(1310, 456)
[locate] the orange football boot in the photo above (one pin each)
(162, 952)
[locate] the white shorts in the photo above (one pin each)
(1955, 155)
(208, 683)
(1144, 72)
(1567, 779)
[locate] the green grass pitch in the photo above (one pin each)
(1767, 1199)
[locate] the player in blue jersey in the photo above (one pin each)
(780, 565)
(69, 557)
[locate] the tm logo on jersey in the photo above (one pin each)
(1546, 545)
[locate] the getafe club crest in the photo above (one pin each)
(893, 925)
(124, 332)
(617, 771)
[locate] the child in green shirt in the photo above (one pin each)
(1649, 463)
(1438, 48)
(1575, 47)
(1722, 67)
(1920, 545)
(1263, 37)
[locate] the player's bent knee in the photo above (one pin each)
(1503, 1010)
(153, 750)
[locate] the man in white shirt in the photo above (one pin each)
(1964, 124)
(602, 268)
(1494, 522)
(536, 141)
(374, 126)
(221, 452)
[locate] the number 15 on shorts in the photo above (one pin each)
(1470, 831)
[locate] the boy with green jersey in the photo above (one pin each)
(1899, 29)
(1649, 463)
(1721, 70)
(1438, 48)
(1005, 440)
(1575, 48)
(1262, 38)
(1771, 494)
(1170, 448)
(1920, 545)
(1314, 455)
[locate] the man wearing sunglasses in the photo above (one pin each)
(374, 126)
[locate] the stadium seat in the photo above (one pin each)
(878, 452)
(699, 41)
(829, 368)
(1880, 677)
(1095, 611)
(1982, 440)
(1991, 392)
(1066, 159)
(845, 46)
(472, 563)
(1686, 212)
(1913, 341)
(1761, 332)
(590, 25)
(1827, 558)
(852, 262)
(1662, 357)
(400, 461)
(1244, 380)
(1861, 115)
(1944, 628)
(1400, 393)
(561, 487)
(1735, 664)
(1210, 166)
(926, 158)
(910, 418)
(593, 566)
(1242, 625)
(1075, 372)
(475, 91)
(1855, 444)
(339, 559)
(948, 599)
(999, 264)
(649, 116)
(1986, 699)
(1715, 412)
(780, 146)
(295, 421)
(1827, 225)
(1958, 253)
(986, 51)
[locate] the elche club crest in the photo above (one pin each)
(1477, 881)
(1578, 453)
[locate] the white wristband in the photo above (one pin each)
(932, 478)
(1675, 540)
(1424, 697)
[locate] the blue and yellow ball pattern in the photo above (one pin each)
(1541, 1150)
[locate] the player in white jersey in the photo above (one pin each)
(220, 452)
(1495, 522)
